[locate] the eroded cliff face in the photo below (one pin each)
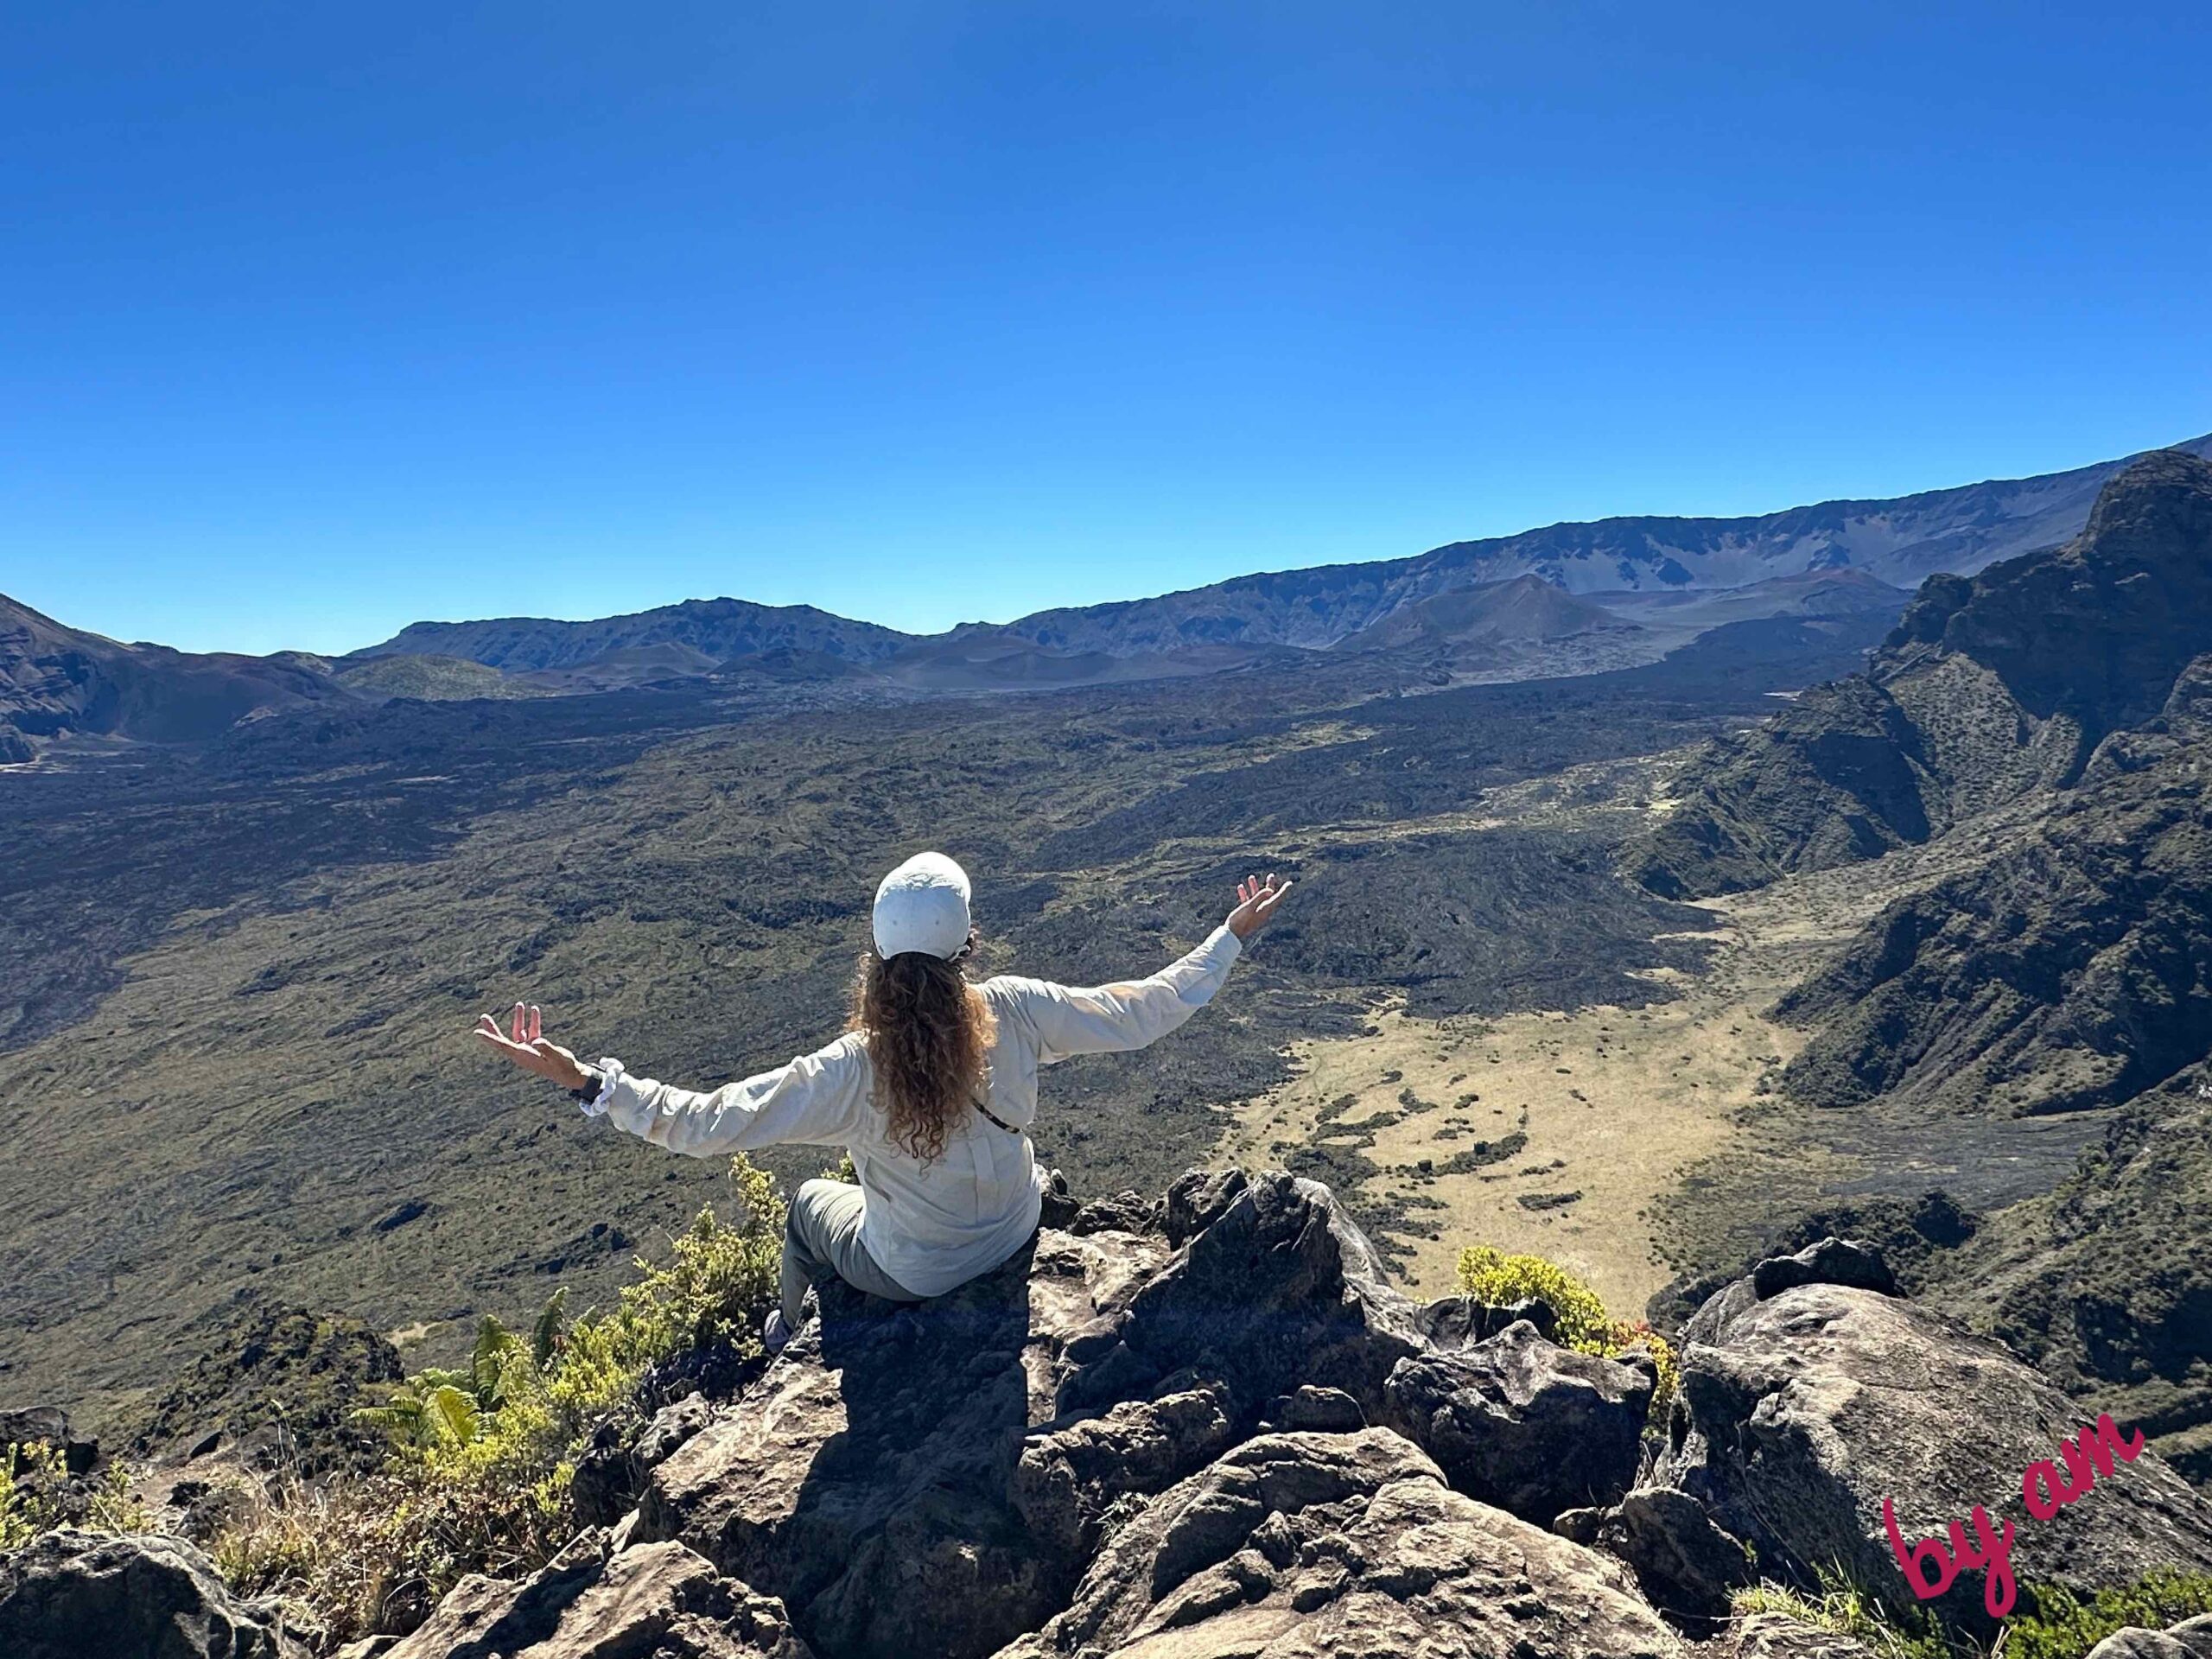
(2045, 726)
(1991, 687)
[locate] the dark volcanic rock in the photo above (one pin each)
(934, 1478)
(1522, 1424)
(1826, 1262)
(1685, 1564)
(1196, 1200)
(72, 1595)
(283, 1365)
(611, 1473)
(655, 1601)
(1069, 1480)
(1456, 1321)
(47, 1426)
(1110, 1446)
(868, 1478)
(1125, 1212)
(1331, 1410)
(1279, 1289)
(1777, 1636)
(1343, 1544)
(1798, 1415)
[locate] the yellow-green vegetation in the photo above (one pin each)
(483, 1455)
(2062, 1625)
(1490, 1275)
(32, 1499)
(1844, 1608)
(2065, 1626)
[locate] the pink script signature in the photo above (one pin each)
(1929, 1566)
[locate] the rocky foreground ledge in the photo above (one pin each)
(1206, 1426)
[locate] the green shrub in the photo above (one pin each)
(35, 1497)
(1490, 1275)
(2063, 1626)
(483, 1455)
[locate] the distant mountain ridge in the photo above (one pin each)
(716, 629)
(1526, 607)
(1899, 542)
(56, 679)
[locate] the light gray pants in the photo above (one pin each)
(822, 1234)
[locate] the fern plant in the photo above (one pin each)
(483, 1453)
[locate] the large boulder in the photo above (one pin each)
(613, 1470)
(1328, 1545)
(1828, 1261)
(1526, 1425)
(868, 1478)
(1070, 1480)
(2191, 1639)
(652, 1601)
(74, 1595)
(1798, 1415)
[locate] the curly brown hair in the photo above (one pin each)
(928, 1037)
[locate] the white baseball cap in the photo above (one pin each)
(923, 906)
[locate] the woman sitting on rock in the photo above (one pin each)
(931, 1090)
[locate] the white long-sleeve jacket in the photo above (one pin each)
(937, 1225)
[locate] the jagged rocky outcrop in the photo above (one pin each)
(1522, 1423)
(71, 1595)
(937, 1479)
(1219, 1425)
(1990, 687)
(1215, 1431)
(597, 1601)
(1343, 1544)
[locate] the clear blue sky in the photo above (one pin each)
(317, 319)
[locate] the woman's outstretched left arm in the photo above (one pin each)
(819, 1099)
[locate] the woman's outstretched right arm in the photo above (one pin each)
(819, 1099)
(1071, 1020)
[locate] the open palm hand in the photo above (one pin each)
(527, 1046)
(1256, 902)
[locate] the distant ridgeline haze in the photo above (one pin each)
(1567, 599)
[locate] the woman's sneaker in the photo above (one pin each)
(775, 1330)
